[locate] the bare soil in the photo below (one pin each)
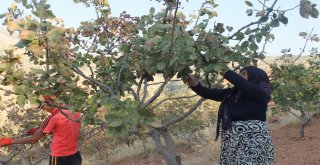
(289, 148)
(292, 150)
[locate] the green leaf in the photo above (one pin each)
(258, 37)
(163, 26)
(203, 11)
(249, 12)
(283, 19)
(253, 46)
(264, 19)
(5, 66)
(37, 71)
(146, 113)
(152, 11)
(229, 28)
(18, 73)
(22, 89)
(55, 36)
(248, 3)
(36, 50)
(13, 7)
(116, 123)
(244, 46)
(303, 34)
(275, 23)
(240, 36)
(24, 3)
(21, 100)
(27, 35)
(314, 13)
(23, 43)
(13, 26)
(161, 65)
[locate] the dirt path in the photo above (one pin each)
(290, 150)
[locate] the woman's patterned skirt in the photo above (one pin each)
(247, 143)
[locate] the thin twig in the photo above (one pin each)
(145, 89)
(139, 88)
(121, 69)
(102, 86)
(173, 27)
(304, 46)
(47, 56)
(198, 17)
(172, 98)
(157, 83)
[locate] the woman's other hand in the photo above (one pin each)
(190, 81)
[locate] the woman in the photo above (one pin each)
(241, 116)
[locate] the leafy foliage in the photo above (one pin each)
(296, 87)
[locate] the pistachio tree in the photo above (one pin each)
(296, 85)
(123, 64)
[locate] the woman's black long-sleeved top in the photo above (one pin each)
(251, 104)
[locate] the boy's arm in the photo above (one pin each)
(30, 139)
(25, 140)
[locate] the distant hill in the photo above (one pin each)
(6, 39)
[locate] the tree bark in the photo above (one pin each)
(304, 122)
(301, 131)
(167, 151)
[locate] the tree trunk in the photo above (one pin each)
(167, 151)
(301, 131)
(145, 148)
(304, 122)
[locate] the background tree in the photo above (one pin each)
(123, 64)
(296, 85)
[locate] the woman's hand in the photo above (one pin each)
(190, 81)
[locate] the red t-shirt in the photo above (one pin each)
(65, 132)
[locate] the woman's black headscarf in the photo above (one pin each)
(257, 77)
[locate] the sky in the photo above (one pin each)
(230, 12)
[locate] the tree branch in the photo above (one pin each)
(173, 27)
(102, 86)
(121, 69)
(184, 115)
(156, 94)
(145, 89)
(304, 47)
(139, 88)
(172, 98)
(198, 17)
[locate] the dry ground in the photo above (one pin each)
(289, 149)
